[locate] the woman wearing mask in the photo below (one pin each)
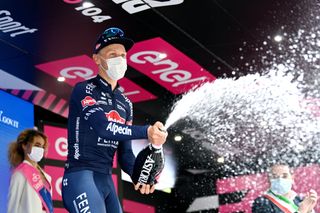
(280, 198)
(30, 187)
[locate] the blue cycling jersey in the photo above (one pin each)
(99, 124)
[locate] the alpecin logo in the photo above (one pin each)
(116, 129)
(88, 101)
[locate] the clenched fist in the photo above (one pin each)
(157, 134)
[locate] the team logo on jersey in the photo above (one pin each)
(115, 129)
(114, 116)
(88, 101)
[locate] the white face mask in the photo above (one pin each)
(116, 67)
(280, 185)
(36, 154)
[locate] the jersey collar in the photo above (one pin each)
(104, 84)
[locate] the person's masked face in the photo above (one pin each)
(36, 153)
(35, 150)
(117, 67)
(281, 180)
(280, 186)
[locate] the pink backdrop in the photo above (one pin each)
(306, 178)
(167, 66)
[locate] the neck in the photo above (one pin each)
(34, 164)
(103, 75)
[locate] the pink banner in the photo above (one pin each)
(167, 66)
(306, 178)
(57, 174)
(58, 144)
(60, 210)
(136, 207)
(80, 68)
(134, 92)
(254, 184)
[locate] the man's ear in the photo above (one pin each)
(96, 59)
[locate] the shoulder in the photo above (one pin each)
(83, 89)
(22, 167)
(17, 175)
(85, 85)
(262, 200)
(17, 179)
(262, 203)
